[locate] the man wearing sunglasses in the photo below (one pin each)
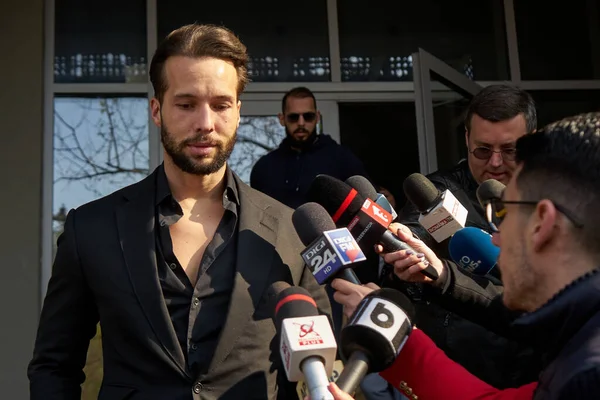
(495, 119)
(286, 172)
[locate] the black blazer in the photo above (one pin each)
(105, 270)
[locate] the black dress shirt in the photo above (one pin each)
(197, 312)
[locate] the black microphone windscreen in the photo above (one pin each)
(294, 302)
(421, 192)
(311, 220)
(488, 190)
(362, 186)
(340, 200)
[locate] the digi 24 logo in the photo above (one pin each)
(330, 252)
(319, 255)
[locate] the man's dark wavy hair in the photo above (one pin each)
(561, 162)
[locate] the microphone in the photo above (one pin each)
(441, 213)
(472, 249)
(307, 345)
(488, 190)
(364, 187)
(365, 220)
(374, 336)
(329, 251)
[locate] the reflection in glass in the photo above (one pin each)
(449, 111)
(553, 105)
(100, 41)
(283, 47)
(556, 39)
(256, 137)
(376, 43)
(100, 145)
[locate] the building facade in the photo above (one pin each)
(391, 80)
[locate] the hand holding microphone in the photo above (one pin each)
(336, 392)
(374, 336)
(365, 219)
(409, 264)
(349, 295)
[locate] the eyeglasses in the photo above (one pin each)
(485, 153)
(295, 117)
(496, 211)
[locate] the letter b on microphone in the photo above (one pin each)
(384, 317)
(379, 327)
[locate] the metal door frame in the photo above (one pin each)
(424, 65)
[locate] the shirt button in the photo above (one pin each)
(198, 387)
(173, 266)
(196, 301)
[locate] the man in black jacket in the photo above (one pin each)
(286, 172)
(181, 268)
(496, 118)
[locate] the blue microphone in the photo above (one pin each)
(472, 249)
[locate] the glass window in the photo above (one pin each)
(376, 41)
(553, 105)
(285, 44)
(100, 41)
(256, 136)
(100, 145)
(396, 139)
(554, 40)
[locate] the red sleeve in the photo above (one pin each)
(423, 371)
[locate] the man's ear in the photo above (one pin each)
(155, 111)
(281, 119)
(544, 221)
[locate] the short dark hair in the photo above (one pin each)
(198, 41)
(496, 103)
(300, 92)
(561, 162)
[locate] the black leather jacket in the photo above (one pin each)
(495, 359)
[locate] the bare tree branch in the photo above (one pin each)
(100, 144)
(245, 139)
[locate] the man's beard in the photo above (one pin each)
(191, 164)
(301, 144)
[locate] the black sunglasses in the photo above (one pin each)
(496, 211)
(485, 153)
(295, 117)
